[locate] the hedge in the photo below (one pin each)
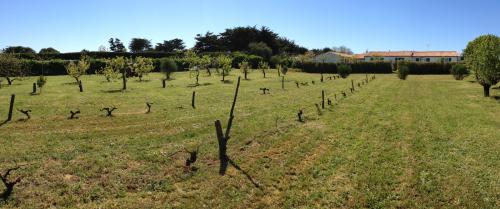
(429, 68)
(377, 67)
(361, 67)
(97, 55)
(58, 67)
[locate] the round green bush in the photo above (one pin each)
(459, 71)
(344, 70)
(403, 71)
(168, 66)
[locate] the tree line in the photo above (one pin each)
(261, 41)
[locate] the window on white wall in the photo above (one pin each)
(428, 59)
(417, 59)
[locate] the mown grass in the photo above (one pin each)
(427, 142)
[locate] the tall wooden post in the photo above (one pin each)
(192, 100)
(124, 79)
(323, 99)
(11, 107)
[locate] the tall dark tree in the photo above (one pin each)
(170, 45)
(270, 38)
(289, 47)
(48, 50)
(238, 38)
(139, 45)
(342, 49)
(116, 45)
(19, 49)
(208, 43)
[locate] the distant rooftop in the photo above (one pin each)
(408, 54)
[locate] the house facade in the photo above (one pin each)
(333, 57)
(410, 56)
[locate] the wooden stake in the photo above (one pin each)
(192, 100)
(11, 107)
(323, 99)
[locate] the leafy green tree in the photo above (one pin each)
(168, 66)
(142, 66)
(482, 56)
(140, 45)
(260, 49)
(76, 70)
(40, 82)
(116, 45)
(403, 70)
(224, 63)
(204, 62)
(11, 68)
(18, 49)
(263, 66)
(344, 70)
(108, 71)
(49, 50)
(244, 66)
(119, 64)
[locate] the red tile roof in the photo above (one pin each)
(411, 54)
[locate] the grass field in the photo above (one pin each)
(427, 142)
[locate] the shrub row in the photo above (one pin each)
(361, 67)
(96, 55)
(429, 68)
(58, 67)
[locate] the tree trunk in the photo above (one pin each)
(168, 75)
(245, 74)
(486, 89)
(163, 81)
(9, 81)
(77, 80)
(80, 85)
(124, 79)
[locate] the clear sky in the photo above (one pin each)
(73, 25)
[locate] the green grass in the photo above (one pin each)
(427, 142)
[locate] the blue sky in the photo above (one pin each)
(73, 25)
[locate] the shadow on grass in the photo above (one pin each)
(112, 91)
(243, 172)
(227, 82)
(195, 85)
(496, 88)
(70, 83)
(496, 98)
(4, 122)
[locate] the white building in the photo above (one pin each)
(410, 56)
(333, 57)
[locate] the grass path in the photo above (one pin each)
(427, 142)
